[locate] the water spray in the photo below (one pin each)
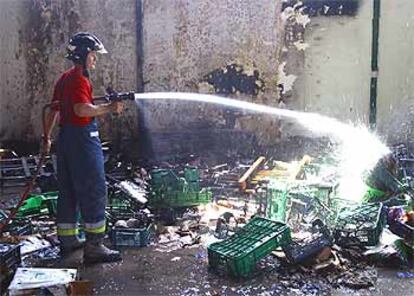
(358, 153)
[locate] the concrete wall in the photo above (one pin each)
(195, 46)
(337, 67)
(13, 70)
(34, 34)
(185, 40)
(396, 72)
(335, 78)
(183, 43)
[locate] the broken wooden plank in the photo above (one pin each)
(306, 159)
(243, 180)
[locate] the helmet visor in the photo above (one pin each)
(102, 50)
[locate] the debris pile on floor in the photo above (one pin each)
(249, 216)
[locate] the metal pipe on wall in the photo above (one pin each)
(374, 64)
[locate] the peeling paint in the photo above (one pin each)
(295, 14)
(325, 7)
(286, 80)
(300, 45)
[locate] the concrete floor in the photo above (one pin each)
(185, 272)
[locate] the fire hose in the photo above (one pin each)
(112, 96)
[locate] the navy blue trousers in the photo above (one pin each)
(81, 178)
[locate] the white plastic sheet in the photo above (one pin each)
(32, 278)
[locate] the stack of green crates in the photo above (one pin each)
(117, 201)
(181, 199)
(237, 255)
(360, 225)
(169, 190)
(165, 180)
(192, 179)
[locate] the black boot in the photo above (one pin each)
(95, 252)
(67, 246)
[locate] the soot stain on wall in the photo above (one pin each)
(233, 79)
(326, 7)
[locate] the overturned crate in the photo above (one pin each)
(360, 225)
(238, 254)
(288, 202)
(299, 251)
(38, 205)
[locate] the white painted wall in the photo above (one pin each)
(336, 74)
(395, 117)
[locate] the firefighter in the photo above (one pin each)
(81, 176)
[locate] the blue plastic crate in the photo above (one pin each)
(403, 230)
(130, 237)
(10, 257)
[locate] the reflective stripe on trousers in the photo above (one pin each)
(81, 179)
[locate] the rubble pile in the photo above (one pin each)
(249, 216)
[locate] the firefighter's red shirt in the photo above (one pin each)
(72, 88)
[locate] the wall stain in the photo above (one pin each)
(325, 7)
(37, 41)
(232, 79)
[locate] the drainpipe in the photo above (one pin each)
(374, 65)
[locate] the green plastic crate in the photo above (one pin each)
(337, 204)
(237, 255)
(165, 180)
(36, 205)
(180, 199)
(311, 169)
(31, 206)
(324, 192)
(276, 204)
(170, 190)
(361, 225)
(50, 202)
(374, 195)
(382, 179)
(117, 203)
(191, 174)
(190, 186)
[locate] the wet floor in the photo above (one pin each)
(185, 272)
